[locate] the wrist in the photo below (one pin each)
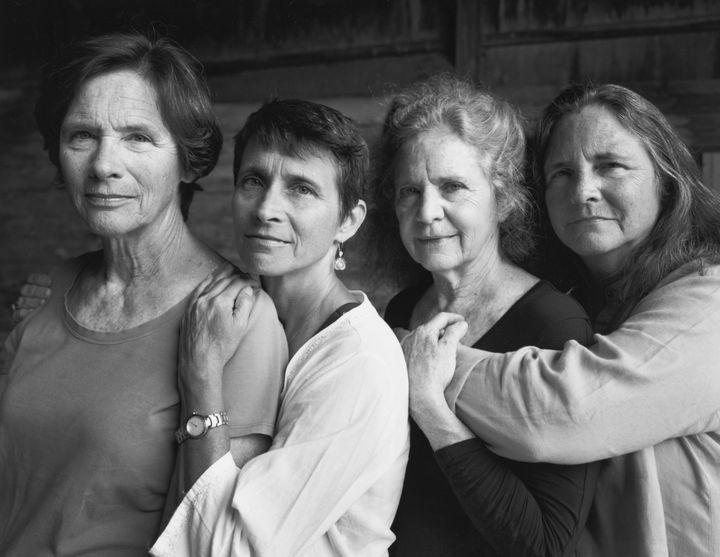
(197, 425)
(428, 407)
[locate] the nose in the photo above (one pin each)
(106, 160)
(585, 187)
(268, 205)
(431, 208)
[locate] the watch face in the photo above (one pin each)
(195, 426)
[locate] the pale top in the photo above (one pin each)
(331, 482)
(649, 391)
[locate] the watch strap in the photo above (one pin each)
(215, 419)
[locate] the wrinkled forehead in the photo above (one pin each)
(592, 129)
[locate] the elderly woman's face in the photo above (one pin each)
(444, 203)
(119, 161)
(603, 195)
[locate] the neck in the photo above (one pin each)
(137, 280)
(149, 255)
(478, 283)
(304, 302)
(481, 296)
(603, 269)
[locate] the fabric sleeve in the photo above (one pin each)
(253, 378)
(9, 348)
(519, 509)
(343, 424)
(61, 276)
(652, 379)
(524, 509)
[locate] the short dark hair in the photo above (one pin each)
(299, 127)
(688, 226)
(183, 95)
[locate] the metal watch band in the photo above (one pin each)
(216, 419)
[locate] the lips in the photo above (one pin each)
(434, 238)
(265, 238)
(107, 196)
(107, 200)
(590, 218)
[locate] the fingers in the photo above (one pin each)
(39, 279)
(242, 305)
(436, 327)
(18, 314)
(442, 320)
(454, 332)
(34, 291)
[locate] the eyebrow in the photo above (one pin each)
(83, 121)
(601, 156)
(261, 171)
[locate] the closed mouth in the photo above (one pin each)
(265, 238)
(107, 196)
(433, 238)
(589, 219)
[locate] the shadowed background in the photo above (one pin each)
(347, 54)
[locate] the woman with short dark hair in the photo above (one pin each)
(330, 484)
(623, 196)
(89, 403)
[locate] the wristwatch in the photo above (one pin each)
(197, 425)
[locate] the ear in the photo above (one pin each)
(350, 224)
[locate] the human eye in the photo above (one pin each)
(139, 138)
(611, 166)
(303, 189)
(557, 175)
(249, 182)
(453, 186)
(79, 136)
(405, 192)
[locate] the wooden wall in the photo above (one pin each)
(667, 50)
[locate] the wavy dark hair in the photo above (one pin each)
(688, 226)
(490, 124)
(183, 95)
(298, 127)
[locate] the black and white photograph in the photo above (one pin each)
(360, 278)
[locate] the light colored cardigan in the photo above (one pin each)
(646, 396)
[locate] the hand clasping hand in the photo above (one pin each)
(430, 352)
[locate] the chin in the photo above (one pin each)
(111, 230)
(259, 265)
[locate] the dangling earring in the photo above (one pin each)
(340, 263)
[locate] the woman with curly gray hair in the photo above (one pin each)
(450, 183)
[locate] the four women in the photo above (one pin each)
(635, 231)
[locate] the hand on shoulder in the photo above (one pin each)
(214, 324)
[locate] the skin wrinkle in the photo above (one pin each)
(603, 194)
